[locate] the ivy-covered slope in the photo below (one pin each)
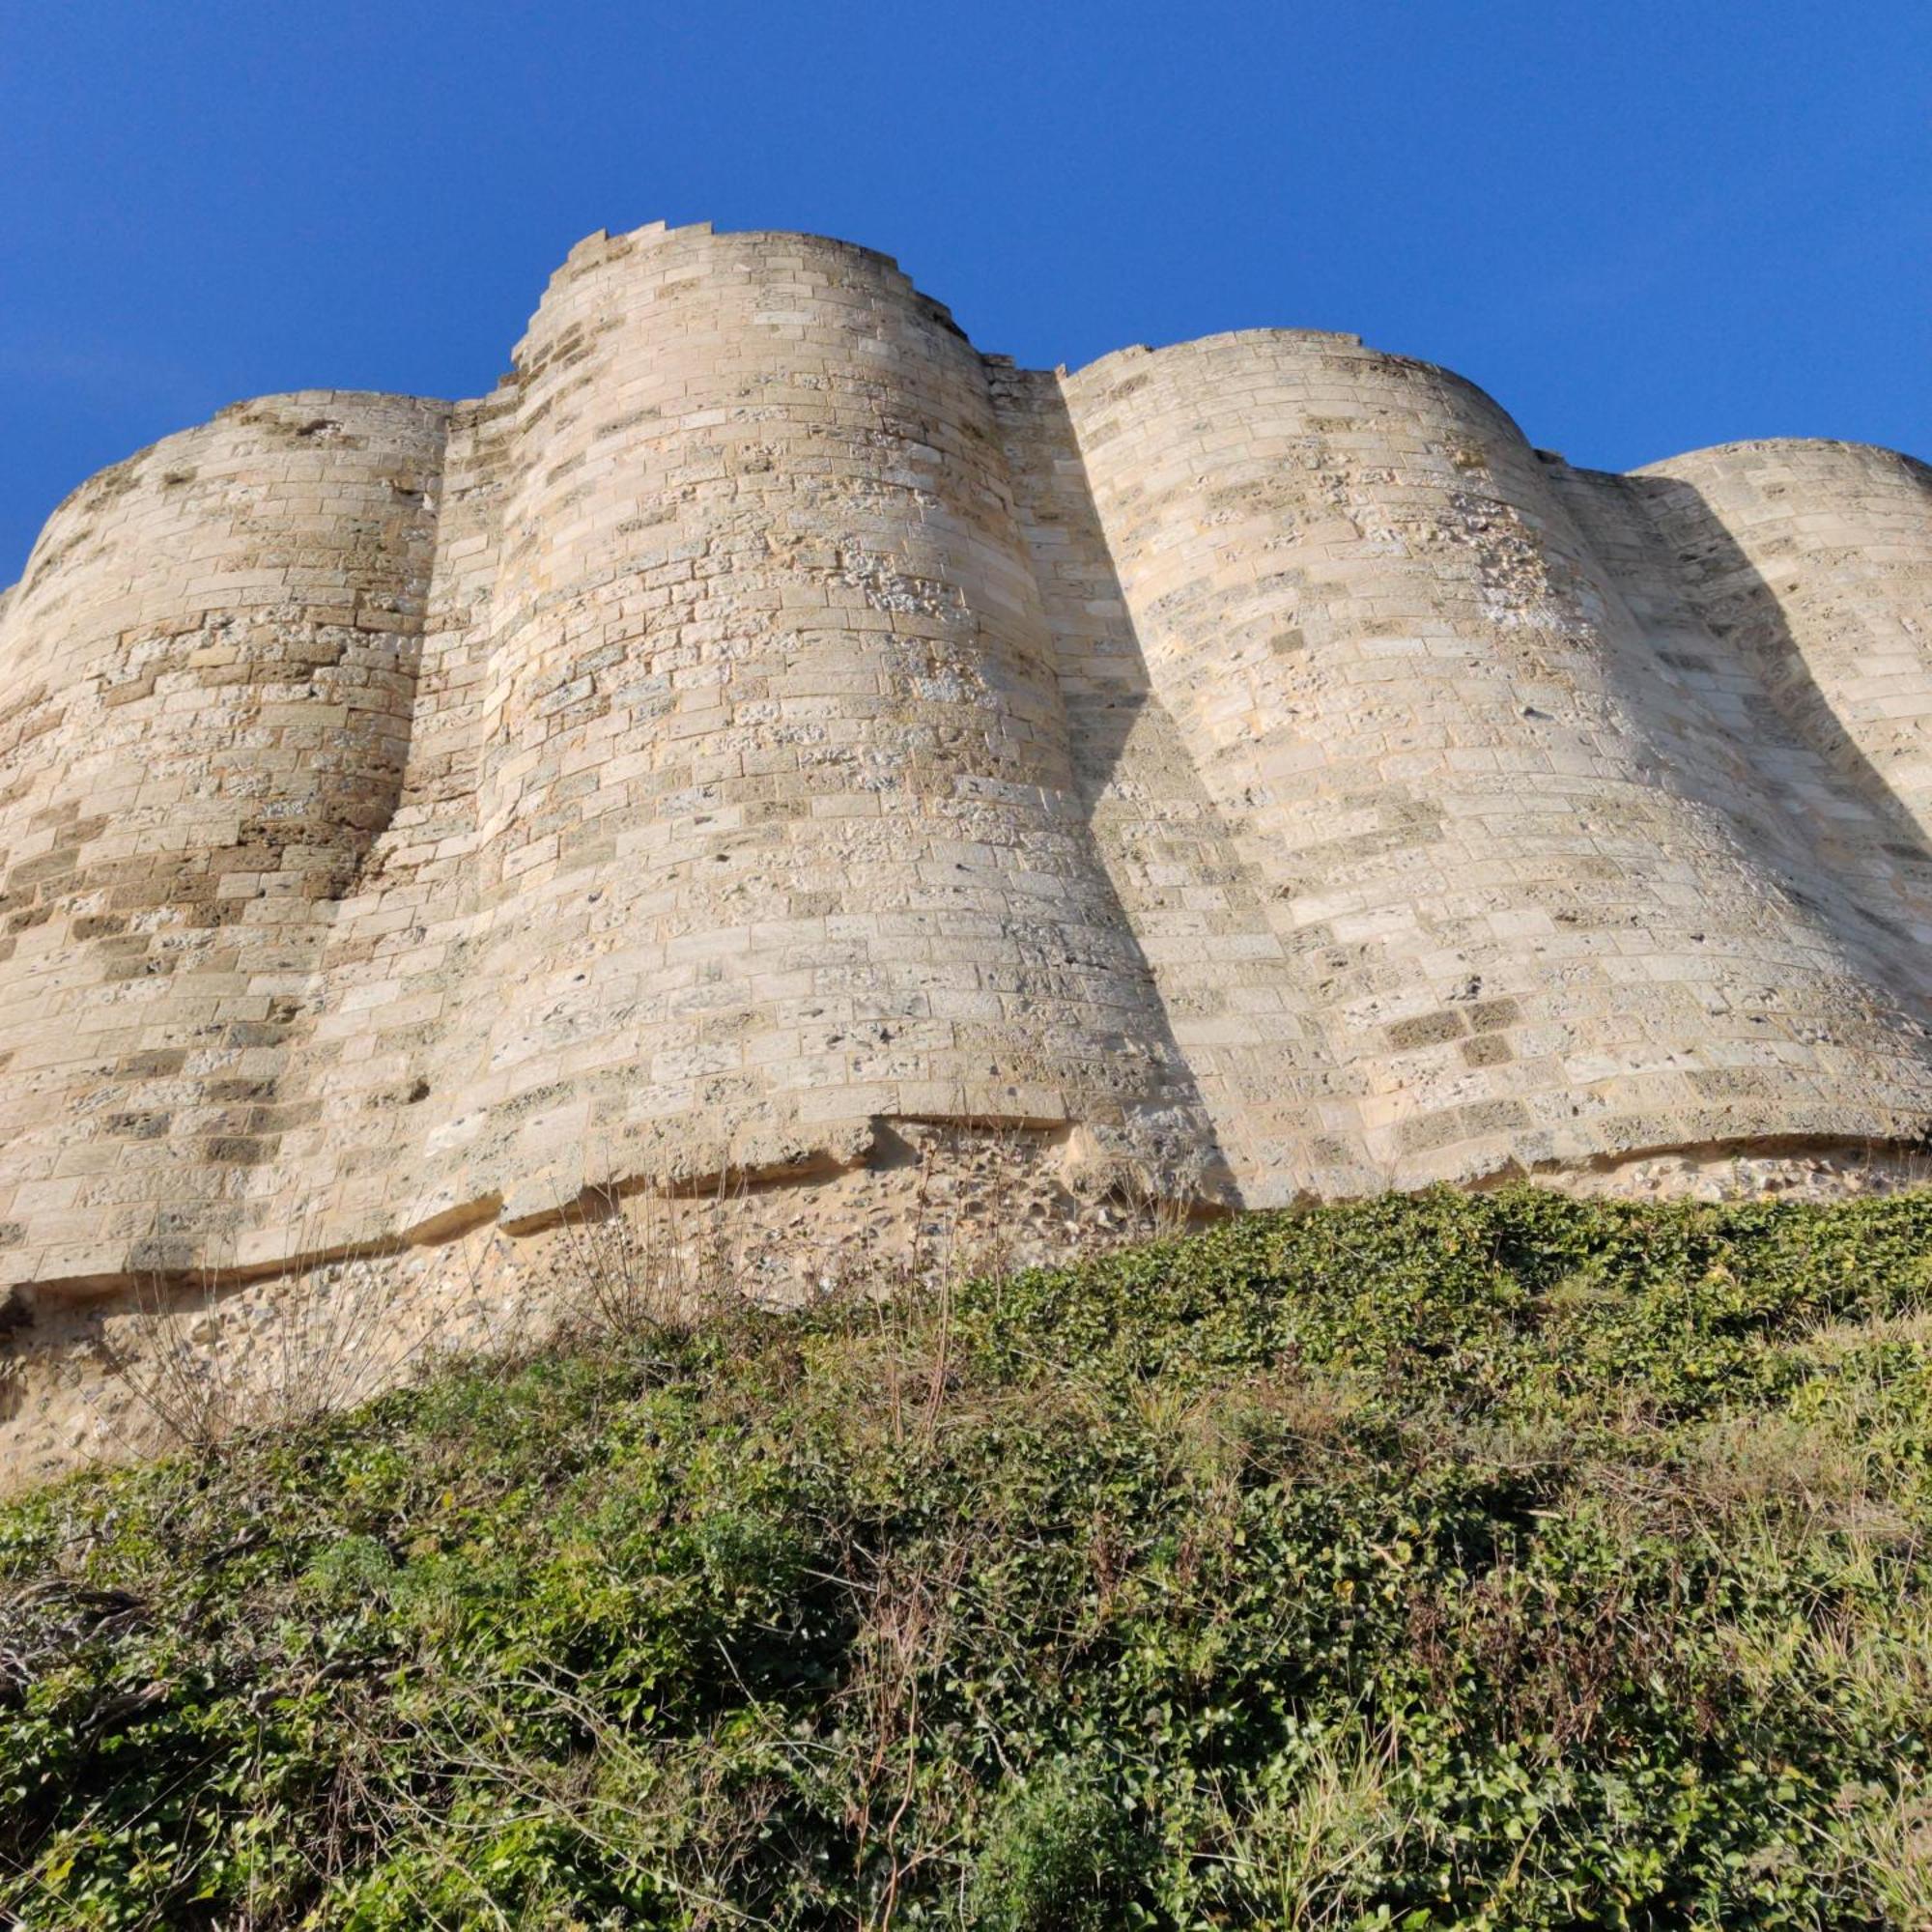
(1492, 1561)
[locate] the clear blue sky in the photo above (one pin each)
(1644, 227)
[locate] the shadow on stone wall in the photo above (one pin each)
(1154, 824)
(1740, 608)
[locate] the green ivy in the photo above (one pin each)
(1495, 1561)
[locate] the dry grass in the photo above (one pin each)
(204, 1363)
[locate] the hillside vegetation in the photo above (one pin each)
(1498, 1561)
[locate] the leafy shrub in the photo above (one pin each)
(1497, 1561)
(1058, 1855)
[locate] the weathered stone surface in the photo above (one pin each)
(1247, 767)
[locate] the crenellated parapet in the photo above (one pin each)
(1247, 768)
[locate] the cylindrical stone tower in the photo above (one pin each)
(1728, 724)
(206, 677)
(1816, 559)
(774, 828)
(1424, 710)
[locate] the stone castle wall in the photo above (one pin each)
(1541, 926)
(764, 727)
(207, 680)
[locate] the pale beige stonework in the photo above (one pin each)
(765, 725)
